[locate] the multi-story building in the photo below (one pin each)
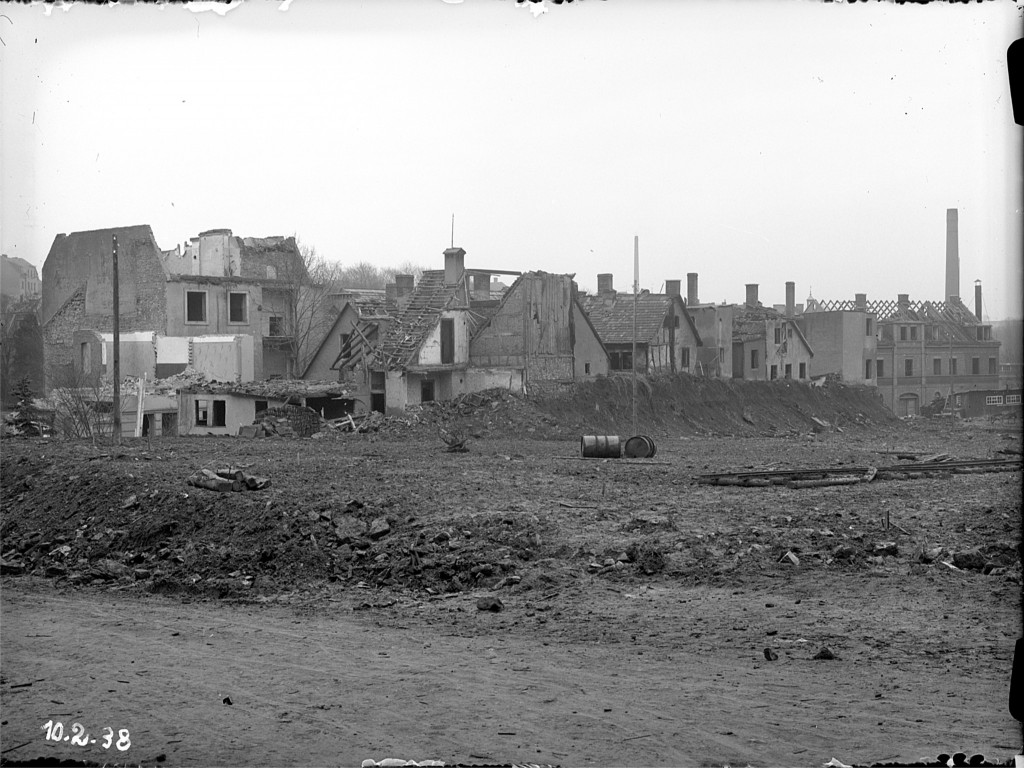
(655, 325)
(926, 350)
(19, 280)
(844, 338)
(218, 284)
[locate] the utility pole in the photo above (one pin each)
(636, 290)
(117, 352)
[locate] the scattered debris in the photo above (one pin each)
(770, 655)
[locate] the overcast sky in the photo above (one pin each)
(750, 142)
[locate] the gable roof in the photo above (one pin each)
(611, 316)
(953, 315)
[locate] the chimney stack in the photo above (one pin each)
(752, 295)
(952, 255)
(977, 299)
(454, 265)
(672, 287)
(903, 302)
(860, 301)
(403, 285)
(691, 289)
(790, 299)
(604, 283)
(391, 295)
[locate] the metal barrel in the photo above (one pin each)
(601, 446)
(640, 447)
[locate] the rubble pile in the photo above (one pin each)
(288, 421)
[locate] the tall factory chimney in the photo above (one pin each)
(952, 255)
(790, 299)
(977, 299)
(691, 289)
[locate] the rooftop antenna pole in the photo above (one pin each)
(117, 348)
(636, 290)
(453, 230)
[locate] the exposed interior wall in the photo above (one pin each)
(714, 324)
(223, 359)
(430, 352)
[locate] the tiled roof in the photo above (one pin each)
(370, 303)
(750, 324)
(401, 342)
(612, 315)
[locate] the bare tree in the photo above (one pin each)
(303, 296)
(21, 344)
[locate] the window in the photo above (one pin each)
(377, 380)
(685, 362)
(261, 405)
(205, 419)
(1013, 399)
(774, 372)
(789, 332)
(447, 341)
(867, 369)
(992, 367)
(975, 366)
(271, 272)
(867, 329)
(952, 366)
(676, 321)
(880, 368)
(586, 369)
(959, 401)
(426, 391)
(345, 340)
(981, 333)
(86, 358)
(789, 371)
(803, 370)
(908, 366)
(755, 360)
(195, 306)
(778, 335)
(620, 361)
(903, 333)
(994, 400)
(276, 326)
(937, 366)
(238, 307)
(913, 333)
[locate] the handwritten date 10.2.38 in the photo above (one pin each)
(78, 736)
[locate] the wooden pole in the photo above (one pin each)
(636, 290)
(117, 350)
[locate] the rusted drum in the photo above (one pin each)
(640, 447)
(601, 446)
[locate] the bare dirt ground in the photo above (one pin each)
(338, 610)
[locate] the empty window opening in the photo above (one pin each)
(238, 308)
(195, 306)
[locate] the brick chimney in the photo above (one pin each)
(903, 302)
(454, 265)
(977, 299)
(403, 289)
(672, 287)
(752, 295)
(790, 299)
(860, 301)
(604, 283)
(691, 289)
(952, 255)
